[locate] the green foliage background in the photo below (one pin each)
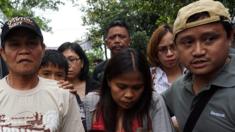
(143, 17)
(12, 8)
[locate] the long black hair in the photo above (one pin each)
(125, 61)
(83, 75)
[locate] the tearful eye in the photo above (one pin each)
(138, 87)
(121, 86)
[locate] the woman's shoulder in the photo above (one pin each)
(156, 97)
(91, 100)
(90, 103)
(157, 101)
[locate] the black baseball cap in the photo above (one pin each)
(19, 22)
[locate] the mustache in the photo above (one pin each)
(117, 47)
(194, 61)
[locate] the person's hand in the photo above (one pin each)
(66, 85)
(175, 123)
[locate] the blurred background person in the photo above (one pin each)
(78, 68)
(163, 58)
(117, 37)
(77, 72)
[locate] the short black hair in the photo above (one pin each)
(83, 75)
(115, 23)
(56, 58)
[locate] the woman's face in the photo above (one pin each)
(126, 89)
(75, 63)
(167, 53)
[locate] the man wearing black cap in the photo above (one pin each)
(29, 102)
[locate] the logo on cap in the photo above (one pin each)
(19, 21)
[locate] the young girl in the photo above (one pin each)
(126, 101)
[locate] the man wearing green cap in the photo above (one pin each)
(203, 34)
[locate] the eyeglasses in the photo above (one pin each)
(165, 49)
(73, 59)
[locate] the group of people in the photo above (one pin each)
(184, 84)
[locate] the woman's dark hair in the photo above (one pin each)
(124, 62)
(79, 51)
(154, 41)
(55, 58)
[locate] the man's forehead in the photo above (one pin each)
(117, 28)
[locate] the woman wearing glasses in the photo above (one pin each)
(78, 71)
(163, 58)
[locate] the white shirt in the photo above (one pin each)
(43, 108)
(160, 81)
